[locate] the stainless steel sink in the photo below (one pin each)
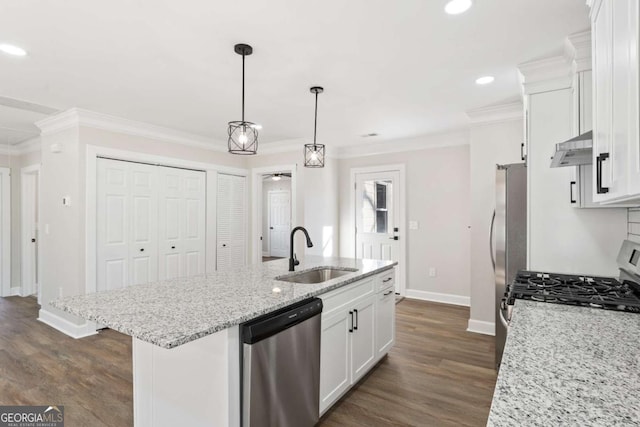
(318, 275)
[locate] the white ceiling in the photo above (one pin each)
(397, 68)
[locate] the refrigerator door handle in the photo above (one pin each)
(503, 320)
(493, 258)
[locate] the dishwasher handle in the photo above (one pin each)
(270, 324)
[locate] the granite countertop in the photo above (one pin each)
(174, 312)
(567, 365)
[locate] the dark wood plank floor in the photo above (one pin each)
(91, 377)
(437, 374)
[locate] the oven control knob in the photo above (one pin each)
(503, 303)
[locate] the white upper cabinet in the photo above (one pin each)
(616, 149)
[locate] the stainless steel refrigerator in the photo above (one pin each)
(508, 239)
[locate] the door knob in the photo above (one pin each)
(141, 249)
(270, 228)
(33, 240)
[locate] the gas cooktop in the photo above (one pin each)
(598, 292)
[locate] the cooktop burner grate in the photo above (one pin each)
(598, 292)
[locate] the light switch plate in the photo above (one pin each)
(432, 272)
(414, 225)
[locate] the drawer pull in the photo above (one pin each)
(387, 279)
(387, 293)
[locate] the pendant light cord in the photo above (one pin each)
(243, 87)
(315, 123)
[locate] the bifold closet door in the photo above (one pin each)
(231, 222)
(181, 223)
(127, 224)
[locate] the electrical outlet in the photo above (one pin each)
(414, 225)
(60, 292)
(432, 272)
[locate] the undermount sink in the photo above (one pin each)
(318, 275)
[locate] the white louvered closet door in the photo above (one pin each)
(127, 214)
(231, 222)
(181, 223)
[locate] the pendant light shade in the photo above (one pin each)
(314, 153)
(243, 135)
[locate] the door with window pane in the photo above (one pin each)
(377, 207)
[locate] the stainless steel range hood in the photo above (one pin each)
(576, 151)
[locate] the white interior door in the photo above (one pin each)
(127, 224)
(5, 232)
(231, 222)
(29, 232)
(377, 214)
(112, 222)
(279, 223)
(181, 223)
(143, 224)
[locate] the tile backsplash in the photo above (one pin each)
(633, 226)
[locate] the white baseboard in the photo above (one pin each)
(63, 325)
(481, 327)
(265, 253)
(15, 291)
(438, 297)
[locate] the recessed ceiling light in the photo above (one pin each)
(12, 50)
(455, 7)
(485, 80)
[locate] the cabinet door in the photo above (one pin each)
(385, 321)
(634, 102)
(334, 357)
(602, 96)
(363, 354)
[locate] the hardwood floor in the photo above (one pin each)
(91, 377)
(437, 374)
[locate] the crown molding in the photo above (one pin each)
(430, 141)
(77, 117)
(545, 75)
(28, 146)
(577, 49)
(496, 113)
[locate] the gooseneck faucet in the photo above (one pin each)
(293, 261)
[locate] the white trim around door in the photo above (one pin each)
(29, 222)
(256, 204)
(5, 232)
(402, 228)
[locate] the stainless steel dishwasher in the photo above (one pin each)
(281, 367)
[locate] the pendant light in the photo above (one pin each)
(243, 135)
(314, 153)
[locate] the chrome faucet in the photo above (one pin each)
(293, 261)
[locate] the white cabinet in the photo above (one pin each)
(358, 329)
(335, 350)
(363, 347)
(386, 325)
(615, 98)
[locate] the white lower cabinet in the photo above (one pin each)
(358, 329)
(386, 326)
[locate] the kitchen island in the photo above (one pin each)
(186, 343)
(568, 365)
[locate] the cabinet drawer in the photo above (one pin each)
(386, 279)
(341, 296)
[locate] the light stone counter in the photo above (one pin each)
(569, 366)
(175, 312)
